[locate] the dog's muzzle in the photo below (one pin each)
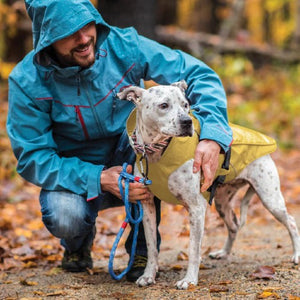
(186, 125)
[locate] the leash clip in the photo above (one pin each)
(145, 174)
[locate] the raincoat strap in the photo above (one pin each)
(221, 178)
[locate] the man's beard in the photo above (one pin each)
(69, 60)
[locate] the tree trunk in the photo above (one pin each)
(124, 13)
(296, 39)
(166, 12)
(232, 24)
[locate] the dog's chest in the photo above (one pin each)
(179, 151)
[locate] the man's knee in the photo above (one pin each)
(66, 215)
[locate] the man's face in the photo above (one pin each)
(77, 49)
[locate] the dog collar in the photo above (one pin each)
(149, 148)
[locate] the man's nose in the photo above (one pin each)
(82, 37)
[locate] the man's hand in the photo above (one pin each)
(207, 158)
(109, 183)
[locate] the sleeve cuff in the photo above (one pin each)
(94, 185)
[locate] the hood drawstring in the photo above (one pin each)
(114, 104)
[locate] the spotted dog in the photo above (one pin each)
(160, 125)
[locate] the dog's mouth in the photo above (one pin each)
(188, 132)
(180, 133)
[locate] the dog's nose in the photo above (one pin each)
(185, 122)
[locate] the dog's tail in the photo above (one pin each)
(244, 205)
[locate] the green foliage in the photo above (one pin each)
(266, 99)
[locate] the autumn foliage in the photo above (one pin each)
(265, 97)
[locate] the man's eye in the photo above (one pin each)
(163, 106)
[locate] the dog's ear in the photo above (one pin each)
(181, 84)
(133, 94)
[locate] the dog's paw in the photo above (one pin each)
(295, 258)
(220, 254)
(145, 280)
(184, 284)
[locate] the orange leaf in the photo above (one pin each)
(182, 256)
(28, 283)
(218, 288)
(268, 295)
(177, 267)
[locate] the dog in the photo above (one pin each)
(163, 114)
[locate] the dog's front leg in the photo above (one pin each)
(149, 222)
(197, 218)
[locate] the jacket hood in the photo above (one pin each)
(53, 20)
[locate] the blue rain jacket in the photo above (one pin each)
(64, 123)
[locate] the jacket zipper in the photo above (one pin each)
(78, 86)
(81, 120)
(100, 128)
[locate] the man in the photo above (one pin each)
(67, 127)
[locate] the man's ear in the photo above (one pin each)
(181, 84)
(133, 94)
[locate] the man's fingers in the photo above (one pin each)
(138, 191)
(208, 177)
(197, 160)
(129, 169)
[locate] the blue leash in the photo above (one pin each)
(138, 211)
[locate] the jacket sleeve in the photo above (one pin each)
(205, 90)
(30, 133)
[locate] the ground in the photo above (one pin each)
(30, 257)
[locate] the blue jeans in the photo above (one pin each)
(71, 218)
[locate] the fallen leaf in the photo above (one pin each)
(27, 282)
(57, 286)
(58, 293)
(10, 263)
(206, 267)
(265, 295)
(39, 293)
(3, 275)
(241, 293)
(182, 256)
(54, 257)
(177, 267)
(30, 264)
(35, 224)
(207, 251)
(54, 271)
(263, 272)
(225, 282)
(23, 232)
(218, 288)
(191, 287)
(28, 258)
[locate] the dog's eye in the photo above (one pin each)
(186, 105)
(163, 106)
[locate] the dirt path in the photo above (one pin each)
(262, 242)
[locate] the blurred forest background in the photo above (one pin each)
(254, 45)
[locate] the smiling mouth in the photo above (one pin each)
(84, 50)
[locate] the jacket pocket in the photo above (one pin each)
(81, 121)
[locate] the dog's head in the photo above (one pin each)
(163, 109)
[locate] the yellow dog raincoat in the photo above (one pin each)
(247, 146)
